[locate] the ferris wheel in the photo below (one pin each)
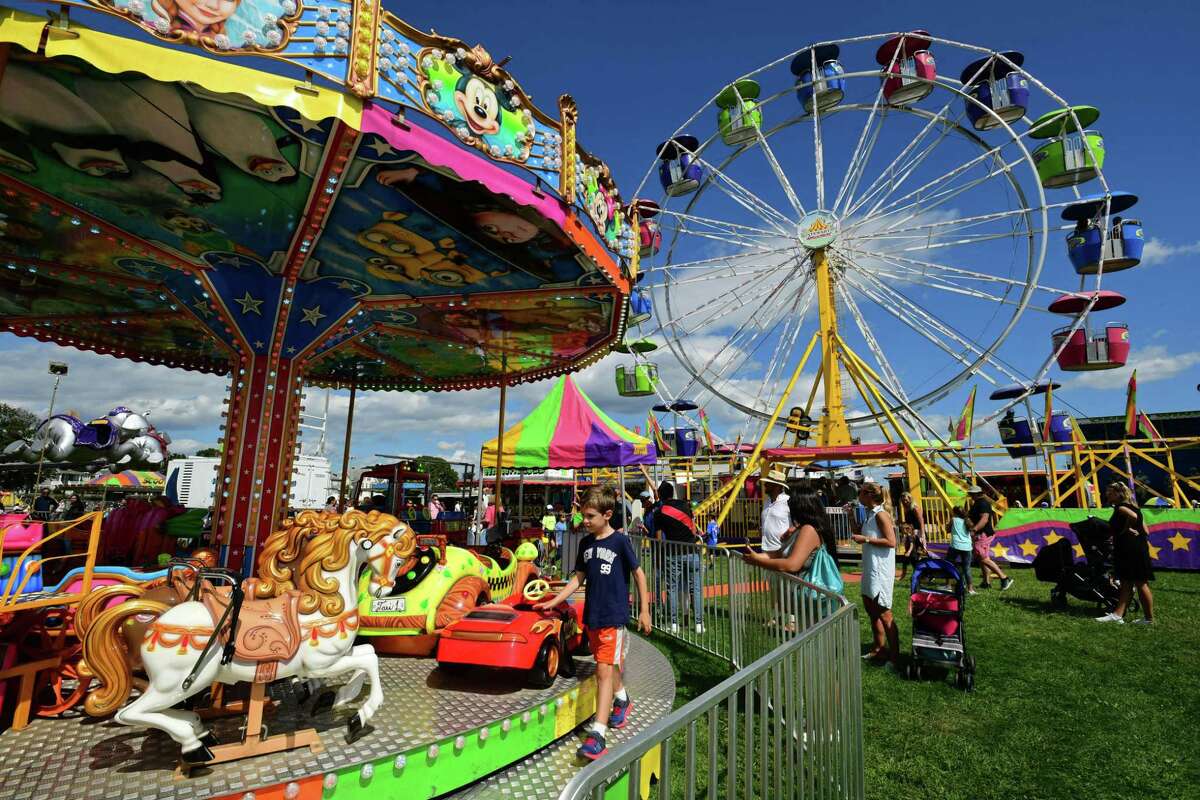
(853, 197)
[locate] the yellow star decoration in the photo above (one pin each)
(313, 315)
(1153, 551)
(1028, 548)
(1000, 551)
(1052, 537)
(249, 304)
(1178, 541)
(1079, 550)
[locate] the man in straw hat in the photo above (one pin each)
(776, 519)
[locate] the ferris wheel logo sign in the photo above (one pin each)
(818, 229)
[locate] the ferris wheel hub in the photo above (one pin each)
(817, 229)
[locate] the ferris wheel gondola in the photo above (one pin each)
(893, 211)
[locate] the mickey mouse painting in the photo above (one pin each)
(478, 103)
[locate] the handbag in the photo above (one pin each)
(822, 571)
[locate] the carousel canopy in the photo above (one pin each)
(165, 205)
(130, 480)
(567, 430)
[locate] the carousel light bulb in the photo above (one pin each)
(400, 762)
(367, 772)
(330, 781)
(291, 791)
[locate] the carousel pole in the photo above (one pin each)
(500, 435)
(346, 445)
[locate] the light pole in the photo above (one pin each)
(58, 369)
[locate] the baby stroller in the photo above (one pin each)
(937, 603)
(1090, 581)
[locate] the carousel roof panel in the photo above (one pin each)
(239, 211)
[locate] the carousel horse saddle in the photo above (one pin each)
(97, 434)
(265, 631)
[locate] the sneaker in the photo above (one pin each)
(985, 585)
(972, 591)
(620, 713)
(699, 627)
(1006, 584)
(1110, 617)
(674, 628)
(593, 747)
(1143, 621)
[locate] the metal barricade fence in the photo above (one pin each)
(788, 724)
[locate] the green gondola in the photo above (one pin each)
(637, 380)
(740, 117)
(1073, 154)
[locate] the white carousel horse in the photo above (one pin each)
(332, 552)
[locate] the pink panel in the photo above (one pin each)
(1118, 343)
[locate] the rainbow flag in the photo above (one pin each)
(1131, 415)
(656, 433)
(1046, 436)
(708, 437)
(966, 420)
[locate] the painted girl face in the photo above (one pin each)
(504, 227)
(207, 13)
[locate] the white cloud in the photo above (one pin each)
(1157, 251)
(1153, 363)
(449, 445)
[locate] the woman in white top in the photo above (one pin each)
(877, 535)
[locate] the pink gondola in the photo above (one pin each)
(1085, 351)
(910, 67)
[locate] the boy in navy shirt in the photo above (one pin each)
(606, 559)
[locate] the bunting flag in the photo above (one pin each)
(966, 421)
(1047, 422)
(1146, 428)
(708, 437)
(1131, 415)
(656, 433)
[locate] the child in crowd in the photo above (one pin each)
(605, 561)
(959, 553)
(915, 548)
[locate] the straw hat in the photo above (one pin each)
(776, 477)
(975, 489)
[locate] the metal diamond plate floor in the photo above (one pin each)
(79, 757)
(651, 686)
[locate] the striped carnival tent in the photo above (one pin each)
(568, 431)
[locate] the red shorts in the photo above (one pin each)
(609, 645)
(983, 547)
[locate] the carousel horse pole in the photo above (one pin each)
(306, 632)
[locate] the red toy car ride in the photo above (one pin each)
(512, 635)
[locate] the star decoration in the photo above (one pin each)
(1178, 541)
(349, 286)
(202, 308)
(1079, 550)
(258, 344)
(230, 260)
(291, 350)
(307, 125)
(999, 550)
(1052, 537)
(381, 148)
(249, 304)
(1028, 548)
(313, 315)
(1153, 551)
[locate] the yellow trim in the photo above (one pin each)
(578, 706)
(116, 54)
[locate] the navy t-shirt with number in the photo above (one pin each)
(606, 565)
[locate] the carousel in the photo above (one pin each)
(292, 194)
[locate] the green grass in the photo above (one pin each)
(1063, 707)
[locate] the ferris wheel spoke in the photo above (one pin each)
(714, 261)
(737, 240)
(740, 300)
(885, 365)
(892, 309)
(959, 272)
(729, 273)
(976, 238)
(917, 197)
(717, 224)
(857, 157)
(785, 346)
(944, 226)
(915, 277)
(747, 199)
(893, 176)
(916, 312)
(784, 183)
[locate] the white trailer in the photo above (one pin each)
(192, 482)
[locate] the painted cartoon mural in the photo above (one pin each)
(419, 230)
(465, 89)
(222, 25)
(169, 163)
(599, 196)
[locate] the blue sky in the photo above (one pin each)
(638, 70)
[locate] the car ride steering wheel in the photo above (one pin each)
(536, 589)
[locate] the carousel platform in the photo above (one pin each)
(480, 735)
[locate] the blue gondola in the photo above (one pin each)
(679, 171)
(1017, 436)
(830, 86)
(1126, 239)
(640, 307)
(997, 85)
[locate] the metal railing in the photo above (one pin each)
(13, 594)
(787, 724)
